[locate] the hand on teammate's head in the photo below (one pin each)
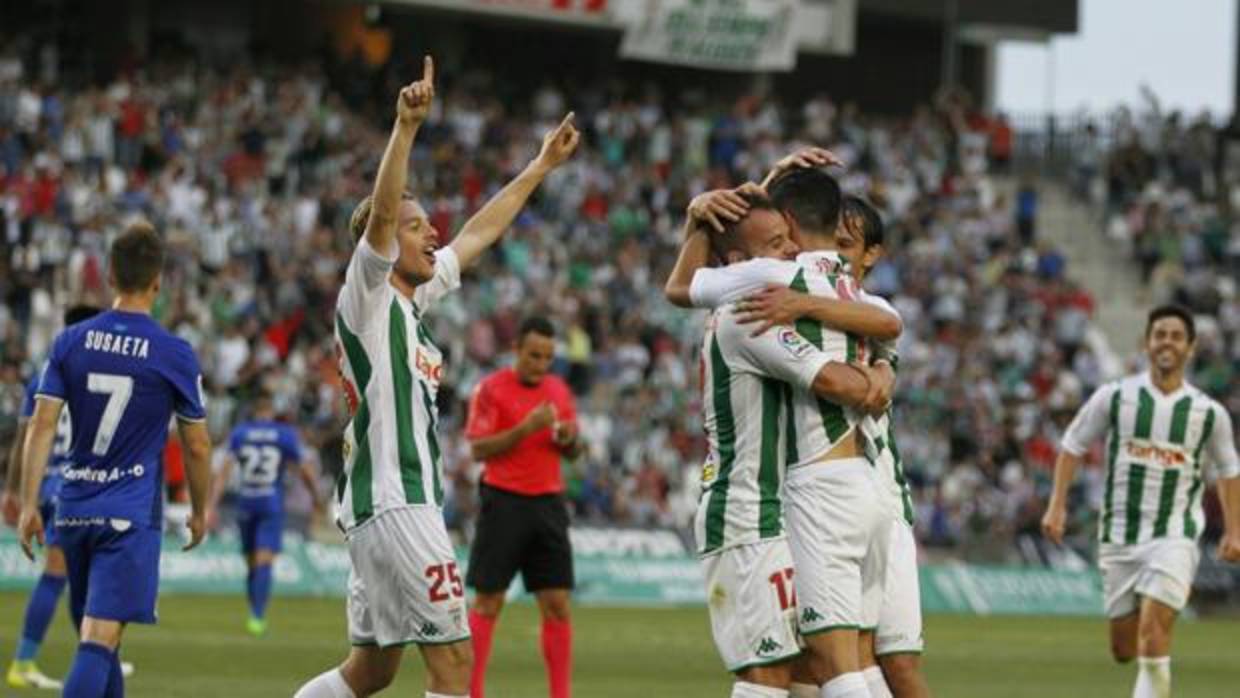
(414, 103)
(560, 143)
(805, 157)
(714, 207)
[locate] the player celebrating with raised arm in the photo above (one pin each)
(404, 586)
(522, 423)
(23, 672)
(122, 377)
(265, 448)
(1160, 430)
(750, 385)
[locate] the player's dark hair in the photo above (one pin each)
(361, 215)
(535, 324)
(872, 230)
(78, 313)
(722, 243)
(136, 258)
(1172, 310)
(811, 196)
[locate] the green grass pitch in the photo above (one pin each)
(200, 649)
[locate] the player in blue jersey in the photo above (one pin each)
(122, 377)
(264, 448)
(24, 672)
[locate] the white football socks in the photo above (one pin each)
(1153, 678)
(744, 689)
(850, 685)
(876, 683)
(329, 684)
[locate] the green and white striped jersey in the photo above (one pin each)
(881, 450)
(1156, 446)
(391, 370)
(818, 425)
(748, 385)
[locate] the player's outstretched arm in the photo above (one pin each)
(780, 305)
(1054, 521)
(12, 498)
(489, 223)
(197, 444)
(412, 107)
(39, 436)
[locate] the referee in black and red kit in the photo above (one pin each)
(522, 422)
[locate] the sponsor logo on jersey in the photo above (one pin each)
(1140, 449)
(828, 266)
(431, 368)
(794, 343)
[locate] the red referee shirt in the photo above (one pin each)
(499, 403)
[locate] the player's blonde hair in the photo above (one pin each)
(361, 214)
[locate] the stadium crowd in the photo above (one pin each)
(251, 172)
(1169, 190)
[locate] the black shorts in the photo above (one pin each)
(520, 533)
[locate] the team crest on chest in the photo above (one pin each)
(429, 365)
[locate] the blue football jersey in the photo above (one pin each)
(263, 451)
(49, 489)
(122, 377)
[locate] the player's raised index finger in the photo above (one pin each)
(428, 70)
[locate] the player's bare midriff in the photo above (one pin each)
(847, 449)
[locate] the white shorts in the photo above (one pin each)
(899, 617)
(1161, 569)
(404, 586)
(749, 592)
(838, 534)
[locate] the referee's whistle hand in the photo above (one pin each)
(540, 418)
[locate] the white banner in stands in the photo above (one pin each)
(744, 35)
